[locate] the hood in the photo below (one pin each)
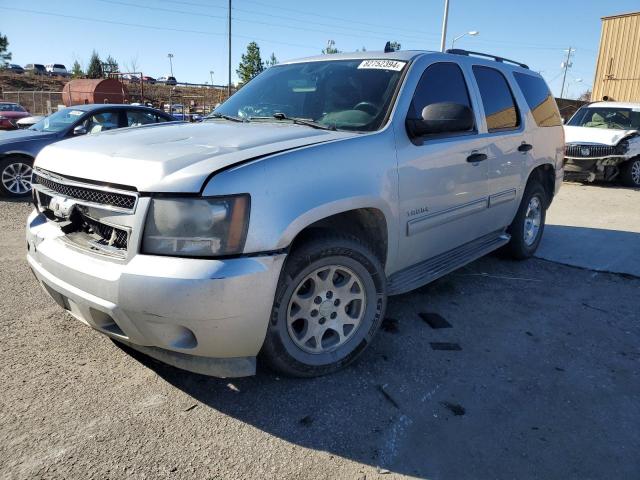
(590, 135)
(176, 157)
(13, 115)
(15, 136)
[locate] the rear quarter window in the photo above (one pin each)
(542, 104)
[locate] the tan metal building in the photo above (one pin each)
(618, 68)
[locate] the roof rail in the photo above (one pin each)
(459, 51)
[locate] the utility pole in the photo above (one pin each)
(211, 73)
(229, 85)
(445, 19)
(567, 64)
(170, 55)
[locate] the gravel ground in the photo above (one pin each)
(542, 382)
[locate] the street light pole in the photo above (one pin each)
(472, 33)
(170, 55)
(445, 19)
(211, 73)
(229, 85)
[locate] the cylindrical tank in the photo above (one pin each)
(100, 90)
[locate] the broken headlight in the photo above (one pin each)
(196, 227)
(622, 147)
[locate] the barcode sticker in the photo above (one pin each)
(394, 65)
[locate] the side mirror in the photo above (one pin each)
(444, 117)
(80, 130)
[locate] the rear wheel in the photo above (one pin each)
(528, 225)
(15, 177)
(630, 173)
(329, 304)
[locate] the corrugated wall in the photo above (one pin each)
(618, 67)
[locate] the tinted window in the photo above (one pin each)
(497, 99)
(142, 117)
(441, 82)
(541, 102)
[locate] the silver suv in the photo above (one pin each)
(277, 228)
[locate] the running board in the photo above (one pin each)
(425, 272)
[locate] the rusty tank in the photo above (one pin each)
(100, 90)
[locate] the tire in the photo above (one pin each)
(15, 177)
(630, 173)
(525, 238)
(305, 279)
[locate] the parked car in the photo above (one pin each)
(26, 122)
(603, 143)
(10, 113)
(149, 80)
(167, 80)
(280, 225)
(36, 69)
(57, 69)
(14, 68)
(131, 78)
(19, 148)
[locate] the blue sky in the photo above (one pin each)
(195, 31)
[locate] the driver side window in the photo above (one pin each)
(102, 121)
(440, 82)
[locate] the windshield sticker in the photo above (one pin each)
(76, 113)
(394, 65)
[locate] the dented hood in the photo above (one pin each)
(591, 135)
(175, 157)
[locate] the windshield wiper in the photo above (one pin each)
(297, 121)
(227, 117)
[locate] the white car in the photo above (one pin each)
(603, 143)
(57, 69)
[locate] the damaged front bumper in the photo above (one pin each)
(590, 169)
(205, 316)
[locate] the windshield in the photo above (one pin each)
(58, 121)
(11, 107)
(342, 94)
(611, 118)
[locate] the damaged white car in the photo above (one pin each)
(603, 143)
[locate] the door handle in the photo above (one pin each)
(476, 157)
(525, 147)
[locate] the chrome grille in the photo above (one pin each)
(589, 151)
(99, 197)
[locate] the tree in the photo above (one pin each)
(5, 56)
(330, 48)
(272, 60)
(132, 66)
(110, 66)
(76, 70)
(95, 66)
(585, 96)
(251, 63)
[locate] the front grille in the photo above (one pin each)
(589, 151)
(109, 235)
(99, 197)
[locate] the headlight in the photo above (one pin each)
(196, 227)
(622, 147)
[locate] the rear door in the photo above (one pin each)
(443, 195)
(506, 147)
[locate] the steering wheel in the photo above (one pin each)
(367, 107)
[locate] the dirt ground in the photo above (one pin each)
(499, 370)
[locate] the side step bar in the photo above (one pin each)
(429, 270)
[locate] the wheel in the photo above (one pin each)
(528, 225)
(329, 303)
(15, 177)
(630, 173)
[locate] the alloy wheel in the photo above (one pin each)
(16, 178)
(532, 220)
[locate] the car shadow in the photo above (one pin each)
(465, 375)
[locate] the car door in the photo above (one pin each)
(503, 133)
(442, 191)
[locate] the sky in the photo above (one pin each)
(195, 31)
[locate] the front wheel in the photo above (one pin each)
(329, 303)
(528, 225)
(15, 177)
(630, 173)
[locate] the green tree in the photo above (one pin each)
(110, 66)
(76, 70)
(272, 60)
(5, 56)
(95, 66)
(330, 48)
(251, 63)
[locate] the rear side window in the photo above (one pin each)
(542, 104)
(440, 82)
(498, 102)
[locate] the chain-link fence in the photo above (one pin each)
(36, 102)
